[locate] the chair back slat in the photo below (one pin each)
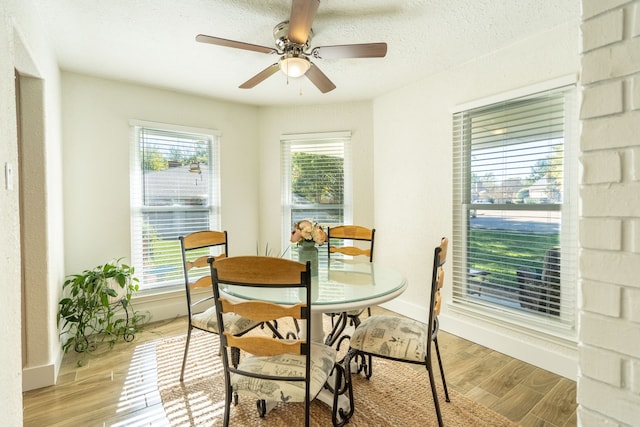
(259, 270)
(202, 283)
(437, 281)
(201, 262)
(440, 282)
(262, 311)
(204, 238)
(353, 233)
(350, 250)
(444, 245)
(264, 346)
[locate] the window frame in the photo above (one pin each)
(286, 142)
(564, 327)
(211, 209)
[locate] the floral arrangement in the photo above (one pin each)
(309, 231)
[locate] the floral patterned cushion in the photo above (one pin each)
(207, 320)
(322, 362)
(391, 336)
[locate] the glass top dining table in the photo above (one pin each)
(340, 286)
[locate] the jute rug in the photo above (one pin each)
(396, 395)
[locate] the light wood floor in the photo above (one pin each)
(118, 387)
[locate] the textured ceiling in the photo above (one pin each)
(153, 41)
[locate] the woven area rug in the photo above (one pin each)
(396, 395)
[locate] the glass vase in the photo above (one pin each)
(307, 251)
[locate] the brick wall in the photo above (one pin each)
(609, 348)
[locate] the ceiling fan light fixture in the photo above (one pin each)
(294, 66)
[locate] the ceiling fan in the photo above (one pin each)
(292, 39)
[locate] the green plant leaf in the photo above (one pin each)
(85, 310)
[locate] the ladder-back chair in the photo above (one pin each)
(197, 248)
(336, 244)
(273, 369)
(403, 339)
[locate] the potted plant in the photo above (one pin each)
(96, 307)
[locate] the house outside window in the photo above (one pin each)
(515, 210)
(174, 191)
(316, 180)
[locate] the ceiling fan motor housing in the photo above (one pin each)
(281, 37)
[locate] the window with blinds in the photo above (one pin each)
(515, 217)
(175, 191)
(316, 179)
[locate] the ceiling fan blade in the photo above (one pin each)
(303, 12)
(365, 50)
(231, 43)
(260, 77)
(319, 79)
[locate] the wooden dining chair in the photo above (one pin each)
(274, 369)
(403, 339)
(342, 240)
(197, 248)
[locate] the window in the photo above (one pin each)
(316, 179)
(515, 214)
(174, 191)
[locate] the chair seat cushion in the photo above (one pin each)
(208, 321)
(391, 336)
(322, 362)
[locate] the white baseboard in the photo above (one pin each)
(159, 307)
(35, 377)
(563, 364)
(408, 309)
(163, 306)
(38, 377)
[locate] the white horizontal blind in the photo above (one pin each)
(175, 191)
(316, 179)
(514, 226)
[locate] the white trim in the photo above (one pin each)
(565, 365)
(41, 376)
(562, 337)
(137, 211)
(517, 93)
(174, 127)
(514, 346)
(316, 135)
(309, 141)
(408, 309)
(166, 305)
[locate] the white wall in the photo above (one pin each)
(96, 123)
(97, 163)
(609, 378)
(10, 374)
(275, 121)
(31, 215)
(413, 170)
